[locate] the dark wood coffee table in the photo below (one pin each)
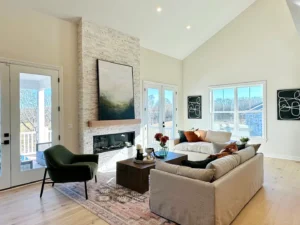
(136, 176)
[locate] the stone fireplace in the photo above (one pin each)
(111, 142)
(96, 42)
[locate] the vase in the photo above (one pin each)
(163, 151)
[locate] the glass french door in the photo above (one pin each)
(31, 109)
(160, 111)
(4, 127)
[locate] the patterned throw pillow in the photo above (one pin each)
(228, 150)
(231, 148)
(218, 147)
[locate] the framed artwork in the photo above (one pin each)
(194, 107)
(115, 91)
(288, 104)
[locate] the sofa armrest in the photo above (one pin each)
(195, 206)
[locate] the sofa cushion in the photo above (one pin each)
(224, 165)
(201, 134)
(217, 136)
(191, 136)
(246, 154)
(201, 147)
(255, 146)
(197, 174)
(166, 167)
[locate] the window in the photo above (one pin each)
(239, 108)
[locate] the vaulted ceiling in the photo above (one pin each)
(294, 6)
(165, 31)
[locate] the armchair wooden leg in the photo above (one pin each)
(86, 194)
(53, 184)
(95, 178)
(42, 189)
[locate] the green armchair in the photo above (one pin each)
(63, 166)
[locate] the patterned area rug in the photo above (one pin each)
(113, 203)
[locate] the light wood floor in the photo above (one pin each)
(277, 203)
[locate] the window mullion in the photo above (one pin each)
(250, 116)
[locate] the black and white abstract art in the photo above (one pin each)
(194, 107)
(288, 104)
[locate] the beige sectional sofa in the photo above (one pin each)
(190, 201)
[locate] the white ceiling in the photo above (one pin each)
(163, 32)
(294, 6)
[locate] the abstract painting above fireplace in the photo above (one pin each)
(110, 142)
(116, 98)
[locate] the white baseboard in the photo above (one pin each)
(282, 156)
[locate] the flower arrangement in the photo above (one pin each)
(162, 139)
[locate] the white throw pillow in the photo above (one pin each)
(217, 136)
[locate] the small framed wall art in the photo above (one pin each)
(288, 104)
(194, 107)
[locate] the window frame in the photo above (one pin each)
(236, 111)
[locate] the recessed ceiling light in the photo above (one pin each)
(158, 9)
(188, 27)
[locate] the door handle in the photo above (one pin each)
(6, 142)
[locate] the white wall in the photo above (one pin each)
(30, 36)
(160, 68)
(261, 44)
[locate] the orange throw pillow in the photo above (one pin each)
(201, 134)
(191, 136)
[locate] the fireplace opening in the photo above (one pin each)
(110, 142)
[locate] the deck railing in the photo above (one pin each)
(28, 141)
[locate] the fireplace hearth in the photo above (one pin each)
(111, 142)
